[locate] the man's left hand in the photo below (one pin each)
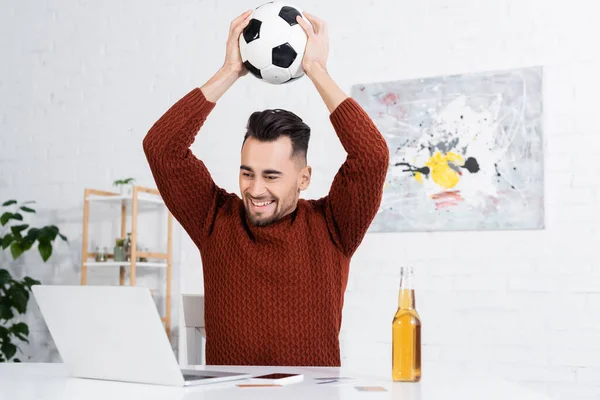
(317, 46)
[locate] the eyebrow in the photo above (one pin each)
(266, 171)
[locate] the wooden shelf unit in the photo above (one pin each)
(139, 195)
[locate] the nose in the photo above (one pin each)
(257, 188)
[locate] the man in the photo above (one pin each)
(275, 266)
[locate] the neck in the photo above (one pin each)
(406, 294)
(406, 299)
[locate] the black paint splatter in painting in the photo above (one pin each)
(413, 169)
(471, 165)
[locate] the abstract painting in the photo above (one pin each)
(466, 151)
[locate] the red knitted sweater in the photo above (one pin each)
(273, 294)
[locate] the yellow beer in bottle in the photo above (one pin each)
(406, 333)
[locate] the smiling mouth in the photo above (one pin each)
(261, 204)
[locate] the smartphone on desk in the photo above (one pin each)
(277, 379)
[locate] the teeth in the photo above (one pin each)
(262, 204)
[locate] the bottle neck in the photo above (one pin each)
(406, 294)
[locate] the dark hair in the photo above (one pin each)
(270, 125)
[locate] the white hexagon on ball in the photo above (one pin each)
(273, 29)
(259, 52)
(276, 75)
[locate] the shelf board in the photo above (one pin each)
(142, 198)
(125, 264)
(163, 256)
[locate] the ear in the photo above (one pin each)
(304, 178)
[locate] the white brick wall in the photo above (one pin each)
(81, 81)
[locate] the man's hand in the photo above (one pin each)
(233, 59)
(232, 68)
(317, 46)
(314, 61)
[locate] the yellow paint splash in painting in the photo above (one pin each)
(419, 177)
(441, 173)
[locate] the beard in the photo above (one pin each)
(272, 212)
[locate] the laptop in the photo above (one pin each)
(115, 333)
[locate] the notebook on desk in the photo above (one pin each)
(115, 333)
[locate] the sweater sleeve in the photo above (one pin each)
(183, 181)
(356, 191)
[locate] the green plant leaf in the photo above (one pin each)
(17, 216)
(21, 337)
(20, 327)
(9, 350)
(44, 235)
(5, 217)
(26, 294)
(27, 209)
(19, 298)
(45, 250)
(5, 277)
(16, 250)
(33, 232)
(27, 243)
(6, 312)
(54, 230)
(7, 240)
(4, 333)
(29, 282)
(17, 229)
(16, 360)
(9, 202)
(63, 237)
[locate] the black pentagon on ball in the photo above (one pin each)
(289, 14)
(252, 31)
(284, 55)
(253, 70)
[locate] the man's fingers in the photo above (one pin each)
(305, 25)
(238, 25)
(242, 25)
(243, 15)
(316, 22)
(239, 19)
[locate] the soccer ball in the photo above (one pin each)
(272, 45)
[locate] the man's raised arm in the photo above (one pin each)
(356, 191)
(183, 180)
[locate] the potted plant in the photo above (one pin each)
(19, 237)
(125, 186)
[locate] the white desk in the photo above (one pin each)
(30, 381)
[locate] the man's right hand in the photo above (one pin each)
(233, 59)
(232, 68)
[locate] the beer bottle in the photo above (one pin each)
(406, 333)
